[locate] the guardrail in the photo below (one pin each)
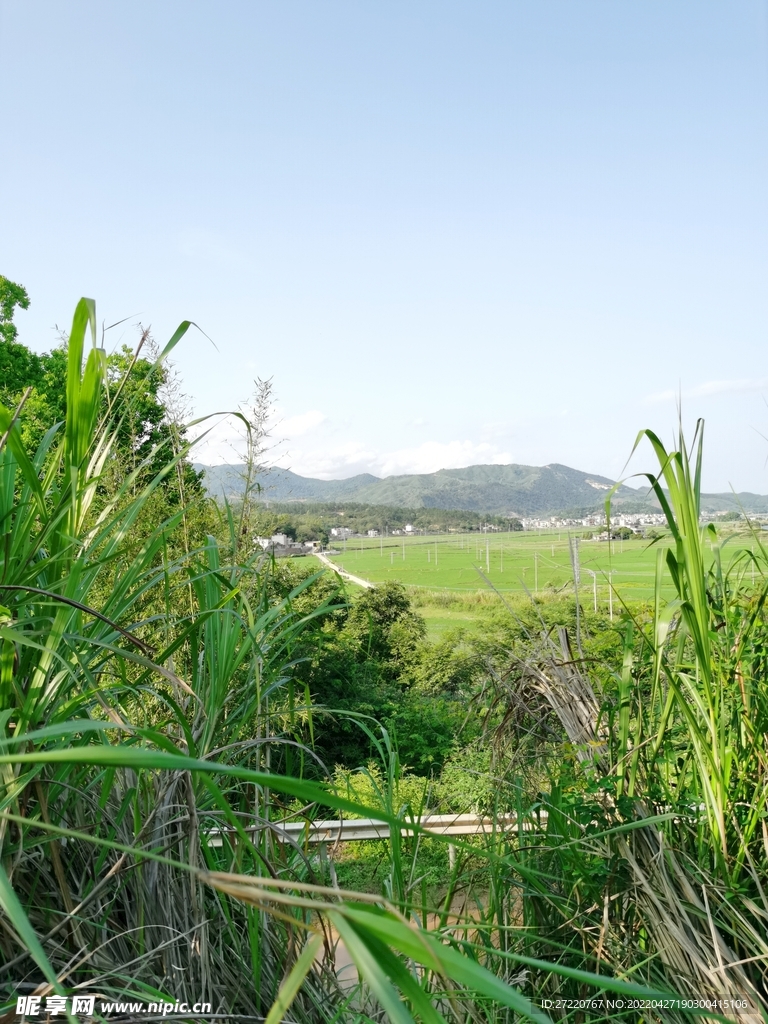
(353, 830)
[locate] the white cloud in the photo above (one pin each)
(433, 455)
(295, 426)
(331, 463)
(320, 458)
(713, 387)
(225, 439)
(304, 443)
(220, 441)
(354, 457)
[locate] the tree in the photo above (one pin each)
(19, 367)
(312, 529)
(622, 533)
(387, 628)
(140, 399)
(11, 296)
(149, 433)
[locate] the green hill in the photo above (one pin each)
(504, 490)
(499, 490)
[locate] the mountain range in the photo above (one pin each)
(498, 490)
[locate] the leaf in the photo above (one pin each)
(291, 985)
(369, 968)
(9, 901)
(430, 952)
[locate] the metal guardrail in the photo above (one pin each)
(350, 830)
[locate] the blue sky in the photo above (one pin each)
(452, 232)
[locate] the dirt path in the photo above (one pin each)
(346, 575)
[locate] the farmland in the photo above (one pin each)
(537, 562)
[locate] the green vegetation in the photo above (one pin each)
(169, 697)
(315, 520)
(503, 490)
(536, 562)
(522, 490)
(12, 297)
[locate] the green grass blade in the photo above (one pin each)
(15, 912)
(291, 985)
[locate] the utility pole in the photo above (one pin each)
(487, 552)
(594, 586)
(535, 572)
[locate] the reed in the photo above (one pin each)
(134, 725)
(152, 737)
(656, 852)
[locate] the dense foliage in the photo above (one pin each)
(171, 697)
(315, 520)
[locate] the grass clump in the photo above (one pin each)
(169, 698)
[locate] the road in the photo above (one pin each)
(346, 575)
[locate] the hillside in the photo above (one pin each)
(499, 490)
(503, 490)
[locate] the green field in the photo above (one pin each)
(538, 562)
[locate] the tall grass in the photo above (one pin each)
(152, 739)
(656, 853)
(132, 728)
